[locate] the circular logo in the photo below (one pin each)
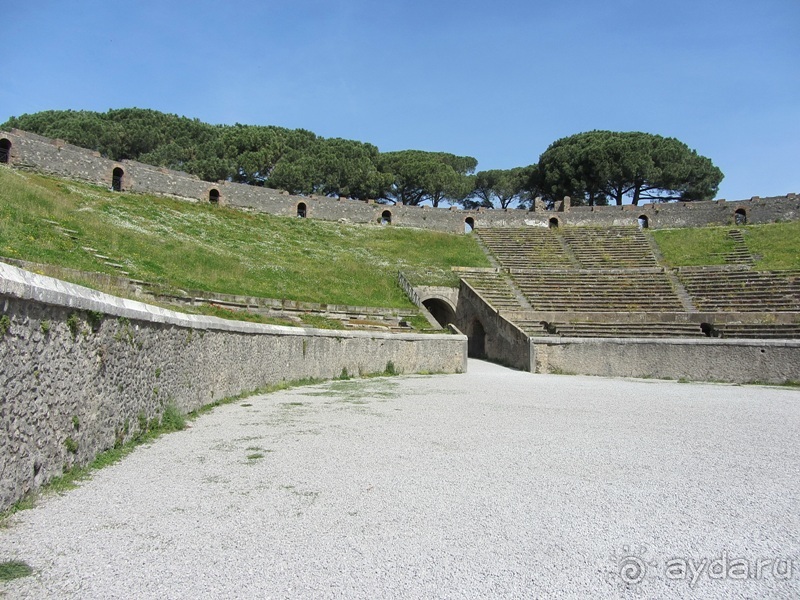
(632, 570)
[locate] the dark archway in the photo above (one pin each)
(386, 218)
(213, 196)
(553, 223)
(5, 150)
(302, 210)
(116, 179)
(441, 311)
(644, 222)
(469, 225)
(740, 216)
(708, 330)
(476, 344)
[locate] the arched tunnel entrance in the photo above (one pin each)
(476, 344)
(441, 311)
(5, 151)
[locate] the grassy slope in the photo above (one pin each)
(774, 245)
(689, 247)
(197, 246)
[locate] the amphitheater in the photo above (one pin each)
(573, 290)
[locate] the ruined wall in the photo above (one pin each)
(80, 365)
(65, 160)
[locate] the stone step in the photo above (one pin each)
(755, 331)
(614, 329)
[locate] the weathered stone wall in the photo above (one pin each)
(79, 365)
(65, 160)
(58, 158)
(490, 335)
(736, 361)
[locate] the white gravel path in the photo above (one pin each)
(494, 483)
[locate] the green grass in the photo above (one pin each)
(694, 247)
(434, 276)
(774, 245)
(321, 322)
(185, 245)
(14, 569)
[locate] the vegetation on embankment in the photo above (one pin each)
(186, 245)
(774, 245)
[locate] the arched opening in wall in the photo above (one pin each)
(116, 179)
(386, 218)
(644, 222)
(213, 196)
(740, 216)
(476, 342)
(5, 150)
(302, 210)
(553, 223)
(441, 311)
(469, 225)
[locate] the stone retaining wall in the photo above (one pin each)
(491, 336)
(735, 361)
(79, 368)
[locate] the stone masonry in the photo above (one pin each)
(80, 370)
(56, 157)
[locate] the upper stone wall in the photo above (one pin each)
(56, 157)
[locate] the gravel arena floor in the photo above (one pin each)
(495, 483)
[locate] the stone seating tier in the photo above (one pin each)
(605, 247)
(742, 290)
(495, 288)
(612, 329)
(575, 247)
(599, 291)
(758, 331)
(526, 247)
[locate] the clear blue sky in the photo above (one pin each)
(495, 80)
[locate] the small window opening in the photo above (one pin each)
(553, 223)
(740, 216)
(386, 217)
(469, 225)
(644, 222)
(302, 210)
(213, 196)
